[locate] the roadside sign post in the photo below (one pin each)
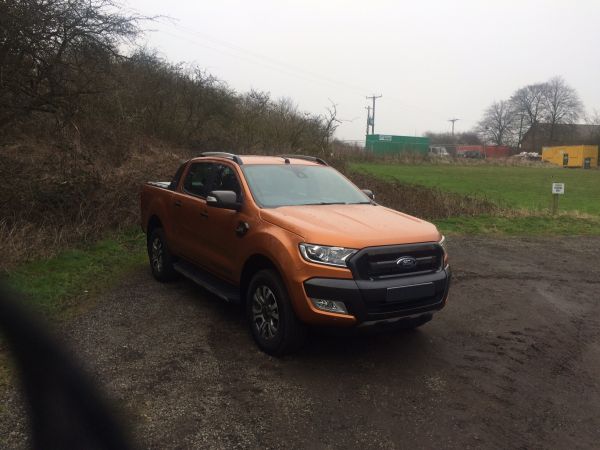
(557, 189)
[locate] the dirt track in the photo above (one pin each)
(512, 362)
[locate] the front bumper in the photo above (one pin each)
(380, 300)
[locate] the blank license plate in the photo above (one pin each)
(413, 292)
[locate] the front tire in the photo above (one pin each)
(273, 323)
(161, 259)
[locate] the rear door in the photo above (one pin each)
(173, 201)
(190, 211)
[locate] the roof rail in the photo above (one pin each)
(235, 158)
(306, 158)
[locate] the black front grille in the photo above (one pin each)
(375, 263)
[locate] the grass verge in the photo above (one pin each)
(56, 286)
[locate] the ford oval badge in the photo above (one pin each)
(407, 262)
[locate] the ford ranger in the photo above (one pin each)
(296, 243)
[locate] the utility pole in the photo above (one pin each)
(520, 131)
(368, 108)
(452, 120)
(373, 97)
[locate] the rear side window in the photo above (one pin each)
(197, 179)
(177, 177)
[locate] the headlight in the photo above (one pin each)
(321, 254)
(442, 243)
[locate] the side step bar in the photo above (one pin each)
(209, 282)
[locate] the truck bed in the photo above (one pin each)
(155, 196)
(160, 184)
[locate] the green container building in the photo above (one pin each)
(388, 144)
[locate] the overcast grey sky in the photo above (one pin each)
(431, 60)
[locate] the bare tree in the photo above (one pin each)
(530, 101)
(52, 52)
(61, 64)
(593, 118)
(330, 122)
(561, 103)
(497, 125)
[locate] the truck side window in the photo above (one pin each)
(226, 180)
(177, 177)
(197, 179)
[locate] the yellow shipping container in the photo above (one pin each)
(572, 155)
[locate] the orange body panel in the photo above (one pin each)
(206, 236)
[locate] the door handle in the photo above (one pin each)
(204, 214)
(177, 203)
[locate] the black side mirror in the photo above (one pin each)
(224, 200)
(369, 193)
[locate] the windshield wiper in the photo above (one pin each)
(323, 203)
(337, 203)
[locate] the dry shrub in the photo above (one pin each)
(22, 241)
(421, 201)
(52, 201)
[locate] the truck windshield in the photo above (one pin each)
(290, 185)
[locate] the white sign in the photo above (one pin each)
(558, 188)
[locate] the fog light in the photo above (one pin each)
(330, 305)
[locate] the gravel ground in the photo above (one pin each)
(513, 361)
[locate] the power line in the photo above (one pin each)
(234, 51)
(262, 59)
(269, 66)
(276, 61)
(290, 68)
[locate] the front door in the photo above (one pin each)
(222, 243)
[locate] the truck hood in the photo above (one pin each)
(352, 226)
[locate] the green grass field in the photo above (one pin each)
(58, 285)
(516, 187)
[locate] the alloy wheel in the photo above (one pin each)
(265, 312)
(157, 255)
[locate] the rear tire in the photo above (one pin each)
(161, 259)
(273, 323)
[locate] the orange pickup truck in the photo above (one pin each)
(296, 243)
